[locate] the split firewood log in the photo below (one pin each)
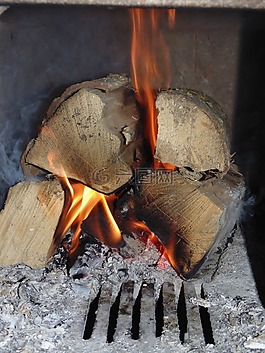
(28, 222)
(89, 134)
(188, 217)
(192, 132)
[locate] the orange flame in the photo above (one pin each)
(171, 17)
(150, 65)
(82, 200)
(150, 72)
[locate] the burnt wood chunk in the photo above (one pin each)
(89, 135)
(192, 131)
(189, 218)
(28, 222)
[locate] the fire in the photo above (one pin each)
(81, 202)
(150, 72)
(150, 67)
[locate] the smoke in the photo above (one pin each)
(43, 51)
(15, 133)
(10, 152)
(247, 208)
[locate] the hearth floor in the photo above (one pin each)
(47, 311)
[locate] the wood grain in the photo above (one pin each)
(28, 222)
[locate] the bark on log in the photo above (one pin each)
(28, 222)
(89, 135)
(192, 131)
(189, 218)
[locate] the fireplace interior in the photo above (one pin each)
(107, 303)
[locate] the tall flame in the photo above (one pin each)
(150, 72)
(81, 202)
(150, 64)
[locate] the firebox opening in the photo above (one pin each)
(199, 50)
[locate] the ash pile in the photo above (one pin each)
(111, 304)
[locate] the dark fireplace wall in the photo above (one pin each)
(44, 49)
(249, 138)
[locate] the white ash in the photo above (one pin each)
(107, 266)
(46, 311)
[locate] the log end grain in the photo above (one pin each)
(88, 137)
(192, 131)
(28, 222)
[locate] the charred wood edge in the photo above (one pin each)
(85, 240)
(186, 173)
(29, 169)
(192, 175)
(60, 246)
(210, 174)
(221, 250)
(61, 260)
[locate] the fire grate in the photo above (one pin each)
(147, 310)
(123, 306)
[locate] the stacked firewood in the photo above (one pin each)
(93, 134)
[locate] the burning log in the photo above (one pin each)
(192, 131)
(89, 135)
(188, 217)
(28, 222)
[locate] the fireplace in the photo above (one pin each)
(211, 51)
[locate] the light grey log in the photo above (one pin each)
(192, 131)
(28, 222)
(89, 134)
